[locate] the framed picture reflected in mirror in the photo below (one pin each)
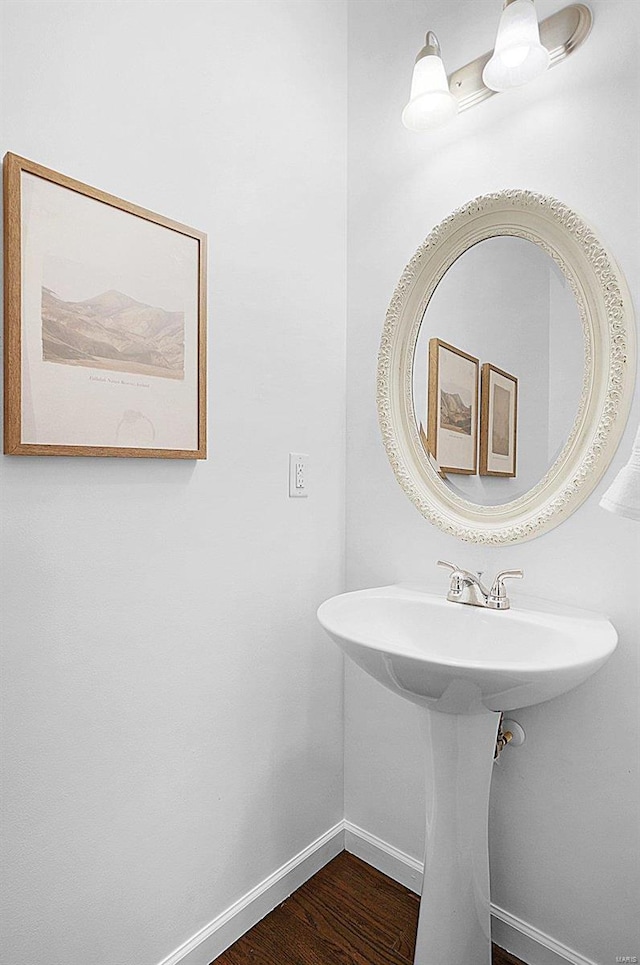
(452, 416)
(498, 422)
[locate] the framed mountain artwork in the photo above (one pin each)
(452, 416)
(105, 323)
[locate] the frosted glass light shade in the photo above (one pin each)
(623, 495)
(431, 102)
(518, 56)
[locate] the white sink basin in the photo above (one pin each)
(460, 659)
(467, 664)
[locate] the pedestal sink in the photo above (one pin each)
(463, 665)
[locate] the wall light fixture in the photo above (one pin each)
(518, 56)
(524, 49)
(431, 102)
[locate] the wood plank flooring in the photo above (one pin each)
(347, 914)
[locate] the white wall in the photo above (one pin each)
(172, 711)
(564, 830)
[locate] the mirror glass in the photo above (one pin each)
(498, 370)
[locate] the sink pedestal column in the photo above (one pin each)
(454, 927)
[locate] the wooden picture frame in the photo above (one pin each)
(105, 323)
(498, 422)
(452, 416)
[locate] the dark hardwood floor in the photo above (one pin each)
(347, 914)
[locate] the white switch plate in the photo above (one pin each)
(298, 474)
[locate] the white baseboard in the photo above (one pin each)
(516, 936)
(529, 943)
(511, 933)
(387, 859)
(214, 938)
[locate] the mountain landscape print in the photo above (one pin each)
(115, 332)
(454, 414)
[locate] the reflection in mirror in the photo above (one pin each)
(498, 370)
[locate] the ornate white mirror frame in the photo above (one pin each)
(605, 310)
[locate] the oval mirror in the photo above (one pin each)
(506, 368)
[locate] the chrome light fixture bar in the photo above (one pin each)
(560, 34)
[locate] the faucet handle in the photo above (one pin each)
(509, 575)
(455, 586)
(449, 566)
(498, 594)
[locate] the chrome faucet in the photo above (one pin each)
(467, 588)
